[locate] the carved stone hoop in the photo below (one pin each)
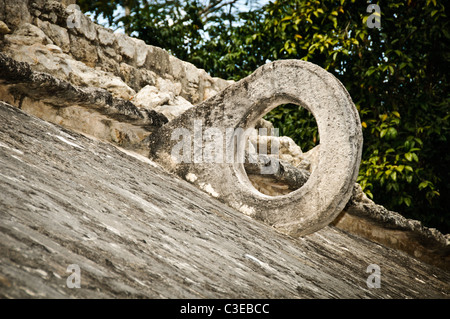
(329, 187)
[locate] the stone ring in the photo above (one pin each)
(241, 105)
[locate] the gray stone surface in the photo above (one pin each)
(136, 231)
(27, 26)
(38, 34)
(365, 218)
(289, 175)
(241, 105)
(47, 88)
(78, 78)
(14, 13)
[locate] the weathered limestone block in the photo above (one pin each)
(56, 12)
(312, 157)
(29, 44)
(110, 52)
(285, 174)
(197, 85)
(141, 52)
(126, 47)
(14, 13)
(57, 34)
(27, 34)
(107, 61)
(192, 86)
(68, 2)
(147, 78)
(51, 11)
(105, 36)
(133, 77)
(178, 70)
(150, 97)
(158, 61)
(212, 86)
(287, 149)
(292, 168)
(262, 123)
(163, 99)
(174, 107)
(4, 28)
(82, 50)
(365, 218)
(209, 92)
(22, 81)
(87, 77)
(221, 84)
(87, 28)
(330, 185)
(169, 86)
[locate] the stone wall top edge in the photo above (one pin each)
(130, 50)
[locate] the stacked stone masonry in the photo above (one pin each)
(144, 87)
(91, 55)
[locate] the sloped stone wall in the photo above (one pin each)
(146, 78)
(137, 232)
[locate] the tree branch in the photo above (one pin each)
(215, 6)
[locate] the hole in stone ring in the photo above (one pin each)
(282, 150)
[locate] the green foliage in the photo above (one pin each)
(297, 123)
(196, 31)
(398, 79)
(107, 9)
(397, 76)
